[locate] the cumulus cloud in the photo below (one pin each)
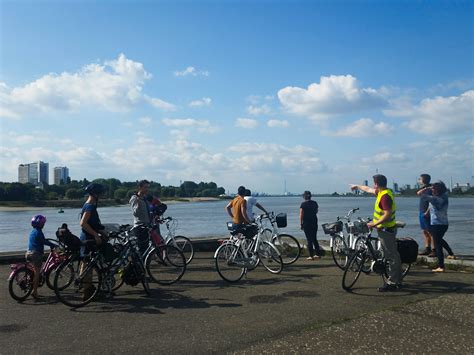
(439, 114)
(386, 157)
(278, 123)
(191, 71)
(258, 110)
(365, 127)
(190, 123)
(146, 121)
(246, 123)
(334, 95)
(205, 101)
(158, 103)
(114, 86)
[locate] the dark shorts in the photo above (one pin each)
(35, 258)
(424, 222)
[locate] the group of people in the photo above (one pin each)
(433, 220)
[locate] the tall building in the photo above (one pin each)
(61, 174)
(36, 173)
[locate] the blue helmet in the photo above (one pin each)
(95, 189)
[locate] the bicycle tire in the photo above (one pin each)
(405, 269)
(23, 278)
(353, 269)
(228, 269)
(72, 294)
(288, 246)
(49, 276)
(337, 251)
(165, 264)
(270, 257)
(119, 281)
(186, 246)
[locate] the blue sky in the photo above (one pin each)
(318, 93)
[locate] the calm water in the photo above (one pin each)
(208, 219)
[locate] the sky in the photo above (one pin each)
(314, 94)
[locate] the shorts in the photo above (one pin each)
(35, 258)
(424, 222)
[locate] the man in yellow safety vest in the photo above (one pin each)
(384, 222)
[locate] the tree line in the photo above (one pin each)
(74, 189)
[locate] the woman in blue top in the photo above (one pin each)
(438, 209)
(36, 243)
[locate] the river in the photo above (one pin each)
(208, 219)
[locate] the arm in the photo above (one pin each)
(243, 209)
(301, 217)
(386, 216)
(421, 191)
(436, 201)
(367, 189)
(229, 209)
(261, 207)
(85, 226)
(134, 203)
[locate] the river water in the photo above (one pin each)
(208, 219)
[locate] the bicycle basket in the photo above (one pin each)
(357, 227)
(281, 220)
(332, 228)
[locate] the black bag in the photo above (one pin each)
(408, 249)
(70, 241)
(132, 274)
(109, 252)
(281, 220)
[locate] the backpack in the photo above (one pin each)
(408, 249)
(64, 235)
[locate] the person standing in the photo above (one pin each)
(141, 214)
(309, 224)
(438, 206)
(423, 217)
(251, 202)
(237, 208)
(384, 222)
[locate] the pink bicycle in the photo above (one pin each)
(20, 281)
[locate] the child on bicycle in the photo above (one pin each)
(35, 252)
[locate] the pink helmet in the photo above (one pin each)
(38, 221)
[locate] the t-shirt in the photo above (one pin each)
(310, 210)
(37, 241)
(385, 203)
(251, 201)
(94, 220)
(423, 202)
(236, 204)
(140, 210)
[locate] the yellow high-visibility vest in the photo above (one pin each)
(378, 212)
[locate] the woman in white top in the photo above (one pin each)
(252, 201)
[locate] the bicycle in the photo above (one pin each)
(96, 272)
(287, 245)
(181, 242)
(242, 253)
(341, 246)
(367, 259)
(20, 280)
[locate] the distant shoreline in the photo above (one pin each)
(19, 206)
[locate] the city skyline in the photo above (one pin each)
(320, 94)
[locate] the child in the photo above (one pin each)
(35, 251)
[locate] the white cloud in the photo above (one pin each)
(190, 123)
(365, 127)
(385, 157)
(439, 114)
(192, 71)
(205, 101)
(334, 95)
(258, 110)
(278, 123)
(146, 121)
(158, 103)
(114, 86)
(246, 123)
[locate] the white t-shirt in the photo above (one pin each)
(251, 201)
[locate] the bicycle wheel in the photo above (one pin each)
(270, 257)
(165, 264)
(83, 288)
(353, 270)
(119, 281)
(338, 252)
(67, 273)
(229, 262)
(20, 284)
(186, 246)
(405, 269)
(288, 246)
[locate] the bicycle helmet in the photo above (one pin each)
(38, 221)
(95, 189)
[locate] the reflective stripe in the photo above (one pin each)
(378, 212)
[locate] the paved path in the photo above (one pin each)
(302, 310)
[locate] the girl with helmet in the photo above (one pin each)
(36, 243)
(91, 225)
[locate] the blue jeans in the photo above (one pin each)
(438, 231)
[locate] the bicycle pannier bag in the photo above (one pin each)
(281, 220)
(408, 249)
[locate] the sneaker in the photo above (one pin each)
(438, 269)
(452, 257)
(310, 258)
(389, 287)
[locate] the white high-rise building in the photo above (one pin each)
(61, 175)
(36, 173)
